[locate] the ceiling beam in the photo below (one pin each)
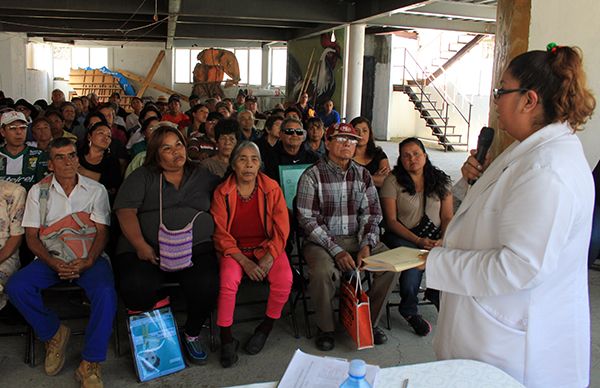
(455, 9)
(314, 11)
(68, 6)
(245, 22)
(216, 31)
(368, 10)
(417, 21)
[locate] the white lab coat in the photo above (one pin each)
(513, 268)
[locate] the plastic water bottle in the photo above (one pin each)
(356, 375)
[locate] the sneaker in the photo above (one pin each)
(194, 350)
(88, 375)
(419, 325)
(55, 351)
(379, 337)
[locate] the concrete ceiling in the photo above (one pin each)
(250, 20)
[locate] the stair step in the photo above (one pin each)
(437, 117)
(452, 144)
(452, 135)
(440, 126)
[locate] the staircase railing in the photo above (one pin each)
(421, 83)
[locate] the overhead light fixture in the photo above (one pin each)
(332, 36)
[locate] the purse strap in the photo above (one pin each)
(161, 205)
(44, 193)
(356, 273)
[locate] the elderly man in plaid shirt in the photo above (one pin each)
(338, 209)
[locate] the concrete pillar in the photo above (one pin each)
(356, 52)
(512, 37)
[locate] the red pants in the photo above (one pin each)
(280, 281)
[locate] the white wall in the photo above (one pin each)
(570, 23)
(12, 64)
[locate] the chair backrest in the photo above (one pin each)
(289, 175)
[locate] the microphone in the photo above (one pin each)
(484, 141)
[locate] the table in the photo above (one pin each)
(446, 374)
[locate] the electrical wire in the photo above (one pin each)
(87, 29)
(133, 14)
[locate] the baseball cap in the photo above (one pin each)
(174, 97)
(11, 117)
(342, 129)
(162, 100)
(251, 99)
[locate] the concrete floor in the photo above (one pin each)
(403, 347)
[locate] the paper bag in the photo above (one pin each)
(355, 312)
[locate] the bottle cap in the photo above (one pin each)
(358, 368)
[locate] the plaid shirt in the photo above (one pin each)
(333, 202)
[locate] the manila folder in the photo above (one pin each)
(395, 260)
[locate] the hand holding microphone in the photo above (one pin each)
(473, 167)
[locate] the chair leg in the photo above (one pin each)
(211, 331)
(116, 335)
(387, 315)
(31, 345)
(306, 318)
(292, 308)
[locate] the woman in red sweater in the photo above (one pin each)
(251, 229)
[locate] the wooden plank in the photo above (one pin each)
(151, 73)
(152, 85)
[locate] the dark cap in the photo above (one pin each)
(174, 97)
(251, 99)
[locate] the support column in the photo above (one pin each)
(356, 52)
(512, 38)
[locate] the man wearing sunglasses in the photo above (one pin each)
(20, 163)
(339, 212)
(289, 149)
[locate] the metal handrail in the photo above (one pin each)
(446, 99)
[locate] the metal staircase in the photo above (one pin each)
(433, 103)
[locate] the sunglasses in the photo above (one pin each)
(499, 92)
(293, 131)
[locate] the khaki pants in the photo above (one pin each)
(325, 277)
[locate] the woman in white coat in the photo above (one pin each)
(513, 266)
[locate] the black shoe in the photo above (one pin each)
(229, 353)
(256, 342)
(419, 325)
(379, 337)
(325, 340)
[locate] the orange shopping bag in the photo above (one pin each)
(355, 312)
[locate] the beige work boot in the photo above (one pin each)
(55, 351)
(88, 374)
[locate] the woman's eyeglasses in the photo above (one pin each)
(293, 131)
(499, 92)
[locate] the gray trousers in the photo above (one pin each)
(325, 279)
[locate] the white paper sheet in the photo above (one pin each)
(305, 370)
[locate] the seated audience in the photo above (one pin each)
(150, 110)
(227, 131)
(115, 99)
(314, 136)
(368, 155)
(204, 146)
(289, 150)
(222, 107)
(58, 125)
(251, 229)
(148, 128)
(42, 133)
(132, 121)
(175, 115)
(417, 207)
(71, 124)
(199, 114)
(28, 110)
(19, 163)
(118, 132)
(251, 104)
(292, 111)
(246, 120)
(158, 200)
(12, 205)
(270, 136)
(58, 98)
(97, 162)
(338, 210)
(329, 116)
(305, 108)
(68, 192)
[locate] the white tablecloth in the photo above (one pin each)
(442, 374)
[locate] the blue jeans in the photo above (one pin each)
(24, 290)
(410, 280)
